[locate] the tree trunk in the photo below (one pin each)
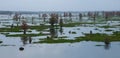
(24, 31)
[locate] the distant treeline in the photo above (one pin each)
(6, 12)
(39, 12)
(20, 12)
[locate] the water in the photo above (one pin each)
(74, 50)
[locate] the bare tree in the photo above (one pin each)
(24, 27)
(53, 19)
(94, 17)
(33, 19)
(44, 17)
(39, 15)
(89, 15)
(80, 17)
(16, 18)
(65, 16)
(70, 16)
(61, 22)
(106, 16)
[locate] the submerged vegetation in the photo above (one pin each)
(6, 45)
(0, 41)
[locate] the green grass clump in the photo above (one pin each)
(56, 41)
(71, 24)
(106, 26)
(93, 37)
(99, 45)
(4, 33)
(108, 30)
(101, 37)
(22, 35)
(73, 32)
(39, 28)
(75, 24)
(18, 28)
(10, 30)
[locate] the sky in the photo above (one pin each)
(60, 5)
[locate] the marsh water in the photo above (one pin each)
(10, 47)
(63, 50)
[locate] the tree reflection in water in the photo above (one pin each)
(61, 25)
(61, 30)
(30, 40)
(107, 43)
(25, 41)
(107, 46)
(53, 33)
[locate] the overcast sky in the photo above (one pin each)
(60, 5)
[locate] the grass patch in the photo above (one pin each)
(101, 37)
(73, 32)
(93, 37)
(88, 37)
(108, 30)
(39, 28)
(56, 41)
(10, 30)
(106, 26)
(18, 29)
(79, 23)
(22, 35)
(75, 24)
(4, 33)
(63, 37)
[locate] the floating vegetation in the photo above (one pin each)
(99, 45)
(6, 45)
(96, 29)
(78, 28)
(108, 30)
(1, 41)
(73, 32)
